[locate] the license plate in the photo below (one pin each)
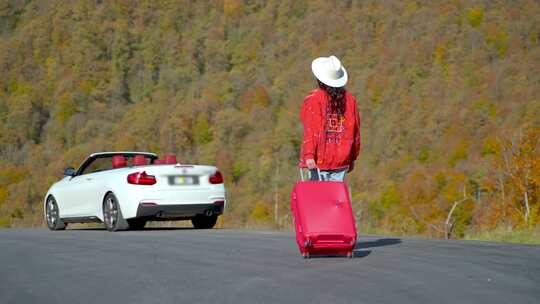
(184, 180)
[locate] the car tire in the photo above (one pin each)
(52, 215)
(203, 221)
(136, 224)
(112, 214)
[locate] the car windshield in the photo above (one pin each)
(99, 164)
(105, 163)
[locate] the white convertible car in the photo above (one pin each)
(124, 190)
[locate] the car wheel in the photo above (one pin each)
(136, 224)
(112, 215)
(203, 221)
(52, 215)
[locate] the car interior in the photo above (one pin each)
(121, 161)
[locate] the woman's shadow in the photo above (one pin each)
(360, 250)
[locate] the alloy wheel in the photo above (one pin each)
(51, 212)
(111, 212)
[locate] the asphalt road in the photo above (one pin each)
(235, 266)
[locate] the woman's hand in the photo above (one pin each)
(310, 163)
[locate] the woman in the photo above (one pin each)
(331, 123)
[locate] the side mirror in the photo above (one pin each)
(69, 171)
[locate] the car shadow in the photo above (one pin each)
(86, 229)
(165, 228)
(144, 229)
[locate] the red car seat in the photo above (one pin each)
(139, 160)
(159, 162)
(119, 161)
(170, 159)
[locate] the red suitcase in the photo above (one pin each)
(323, 218)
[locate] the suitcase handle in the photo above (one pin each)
(318, 174)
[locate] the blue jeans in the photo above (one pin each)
(328, 175)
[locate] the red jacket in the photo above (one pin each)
(332, 142)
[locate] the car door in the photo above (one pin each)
(94, 190)
(71, 196)
(79, 192)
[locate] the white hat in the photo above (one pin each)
(329, 71)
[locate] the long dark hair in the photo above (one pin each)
(337, 98)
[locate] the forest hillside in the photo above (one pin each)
(448, 91)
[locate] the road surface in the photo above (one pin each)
(237, 266)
